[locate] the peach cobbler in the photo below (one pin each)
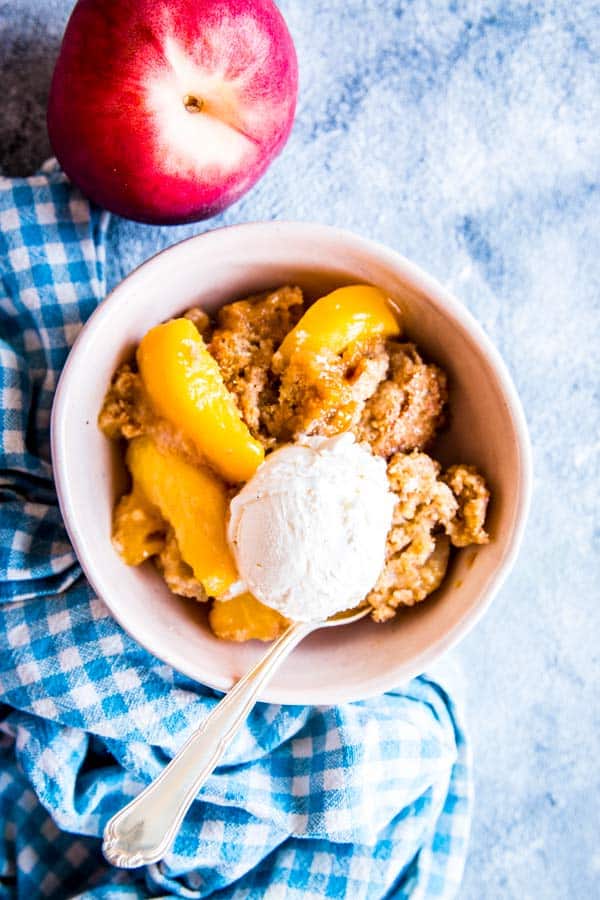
(205, 401)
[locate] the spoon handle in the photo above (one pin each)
(142, 832)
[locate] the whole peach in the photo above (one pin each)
(167, 111)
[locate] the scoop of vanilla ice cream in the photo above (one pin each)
(309, 530)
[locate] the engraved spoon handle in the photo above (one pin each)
(142, 832)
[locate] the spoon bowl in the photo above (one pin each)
(345, 617)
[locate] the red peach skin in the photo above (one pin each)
(167, 111)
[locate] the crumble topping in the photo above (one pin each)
(125, 412)
(200, 319)
(406, 409)
(471, 492)
(176, 572)
(417, 550)
(138, 529)
(247, 335)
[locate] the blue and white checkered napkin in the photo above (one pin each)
(365, 800)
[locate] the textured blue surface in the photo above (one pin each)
(465, 135)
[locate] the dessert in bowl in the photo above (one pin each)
(323, 413)
(485, 433)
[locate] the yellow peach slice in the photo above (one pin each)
(244, 618)
(194, 501)
(185, 386)
(337, 320)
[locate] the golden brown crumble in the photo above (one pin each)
(406, 410)
(138, 529)
(472, 495)
(432, 511)
(417, 550)
(247, 335)
(125, 411)
(200, 319)
(410, 576)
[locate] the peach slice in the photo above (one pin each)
(186, 387)
(349, 314)
(244, 618)
(194, 501)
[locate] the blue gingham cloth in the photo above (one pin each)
(365, 800)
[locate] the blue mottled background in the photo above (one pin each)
(466, 135)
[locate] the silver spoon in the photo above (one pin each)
(142, 832)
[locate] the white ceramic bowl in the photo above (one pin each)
(487, 428)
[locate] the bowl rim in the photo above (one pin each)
(442, 298)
